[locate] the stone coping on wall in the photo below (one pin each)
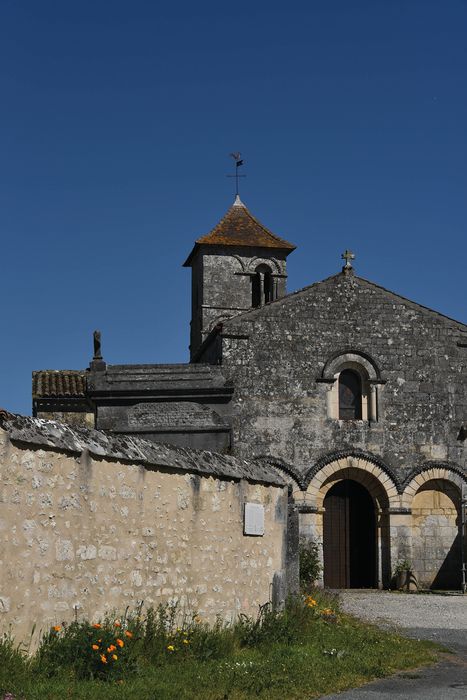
(39, 432)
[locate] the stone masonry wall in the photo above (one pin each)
(221, 285)
(83, 418)
(275, 355)
(79, 532)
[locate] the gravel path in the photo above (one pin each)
(441, 618)
(437, 617)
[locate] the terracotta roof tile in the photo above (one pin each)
(240, 228)
(58, 382)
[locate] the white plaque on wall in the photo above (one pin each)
(253, 519)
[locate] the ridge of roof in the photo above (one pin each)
(238, 227)
(416, 304)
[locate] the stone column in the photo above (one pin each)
(261, 287)
(275, 294)
(373, 403)
(383, 535)
(311, 528)
(292, 554)
(329, 406)
(400, 535)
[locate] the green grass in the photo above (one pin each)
(301, 653)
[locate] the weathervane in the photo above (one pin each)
(238, 162)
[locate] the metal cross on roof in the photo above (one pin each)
(238, 162)
(348, 256)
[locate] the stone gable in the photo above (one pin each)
(276, 356)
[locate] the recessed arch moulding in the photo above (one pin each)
(370, 377)
(384, 494)
(435, 498)
(417, 520)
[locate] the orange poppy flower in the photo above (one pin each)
(114, 657)
(103, 659)
(56, 628)
(97, 626)
(120, 643)
(95, 647)
(128, 634)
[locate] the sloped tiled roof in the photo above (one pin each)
(240, 228)
(58, 382)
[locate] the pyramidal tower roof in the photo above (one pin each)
(238, 227)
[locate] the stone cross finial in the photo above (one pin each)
(348, 256)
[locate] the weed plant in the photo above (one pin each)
(308, 649)
(309, 564)
(14, 658)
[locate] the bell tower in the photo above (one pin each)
(237, 266)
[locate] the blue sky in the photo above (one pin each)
(116, 123)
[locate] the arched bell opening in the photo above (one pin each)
(262, 286)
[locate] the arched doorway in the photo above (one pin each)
(349, 536)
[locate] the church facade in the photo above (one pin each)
(354, 393)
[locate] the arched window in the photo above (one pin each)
(354, 383)
(261, 286)
(350, 395)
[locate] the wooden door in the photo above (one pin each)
(349, 537)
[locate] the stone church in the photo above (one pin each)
(355, 394)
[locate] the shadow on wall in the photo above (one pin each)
(436, 535)
(449, 576)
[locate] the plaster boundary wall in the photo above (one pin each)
(86, 530)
